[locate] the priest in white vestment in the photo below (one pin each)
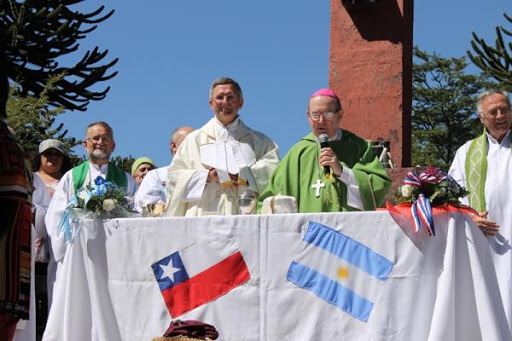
(484, 166)
(99, 144)
(219, 161)
(153, 188)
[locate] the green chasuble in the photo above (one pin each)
(299, 170)
(114, 174)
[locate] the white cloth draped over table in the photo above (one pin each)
(189, 193)
(498, 196)
(440, 288)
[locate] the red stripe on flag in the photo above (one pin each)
(206, 286)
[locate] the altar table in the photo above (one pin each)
(440, 288)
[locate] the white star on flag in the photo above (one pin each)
(169, 270)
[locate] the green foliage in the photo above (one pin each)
(495, 60)
(443, 108)
(124, 162)
(34, 34)
(32, 119)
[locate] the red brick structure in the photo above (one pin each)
(370, 69)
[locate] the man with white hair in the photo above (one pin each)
(483, 165)
(152, 190)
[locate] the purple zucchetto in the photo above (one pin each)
(325, 92)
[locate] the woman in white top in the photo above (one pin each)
(50, 165)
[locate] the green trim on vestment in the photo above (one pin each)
(476, 172)
(114, 174)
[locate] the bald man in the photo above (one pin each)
(152, 190)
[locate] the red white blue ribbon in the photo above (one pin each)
(412, 180)
(421, 209)
(422, 214)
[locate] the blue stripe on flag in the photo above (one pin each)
(349, 250)
(330, 291)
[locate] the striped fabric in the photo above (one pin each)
(15, 224)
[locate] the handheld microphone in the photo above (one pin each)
(324, 143)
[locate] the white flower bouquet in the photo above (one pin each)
(102, 200)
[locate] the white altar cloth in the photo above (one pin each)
(440, 288)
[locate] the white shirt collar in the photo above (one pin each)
(95, 171)
(504, 142)
(227, 133)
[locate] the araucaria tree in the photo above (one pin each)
(495, 60)
(443, 109)
(35, 33)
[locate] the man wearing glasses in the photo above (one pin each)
(99, 144)
(330, 169)
(484, 166)
(220, 161)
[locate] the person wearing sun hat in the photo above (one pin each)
(341, 175)
(141, 167)
(51, 162)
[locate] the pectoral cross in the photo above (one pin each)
(319, 184)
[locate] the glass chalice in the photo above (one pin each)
(247, 202)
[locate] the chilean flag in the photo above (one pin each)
(200, 273)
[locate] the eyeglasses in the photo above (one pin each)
(97, 139)
(229, 98)
(328, 116)
(494, 111)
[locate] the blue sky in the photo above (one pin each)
(278, 51)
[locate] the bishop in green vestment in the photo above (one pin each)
(355, 181)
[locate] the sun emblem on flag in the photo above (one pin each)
(343, 272)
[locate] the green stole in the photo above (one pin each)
(476, 172)
(114, 174)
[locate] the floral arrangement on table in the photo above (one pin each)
(103, 199)
(425, 187)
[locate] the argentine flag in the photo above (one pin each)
(339, 270)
